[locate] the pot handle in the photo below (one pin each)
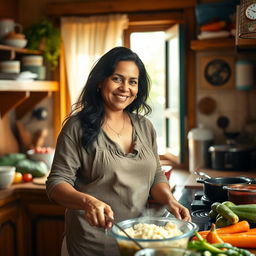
(200, 180)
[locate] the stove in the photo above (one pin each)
(200, 208)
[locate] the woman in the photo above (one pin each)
(106, 162)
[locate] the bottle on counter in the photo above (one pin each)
(199, 141)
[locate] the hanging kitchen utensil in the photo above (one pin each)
(207, 105)
(223, 122)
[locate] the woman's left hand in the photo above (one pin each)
(179, 211)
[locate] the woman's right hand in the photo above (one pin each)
(95, 211)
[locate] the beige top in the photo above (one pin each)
(121, 180)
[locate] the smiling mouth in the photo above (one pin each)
(121, 97)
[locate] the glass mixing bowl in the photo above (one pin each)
(129, 248)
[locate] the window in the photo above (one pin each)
(161, 50)
(150, 46)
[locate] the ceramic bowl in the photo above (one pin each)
(45, 157)
(6, 176)
(16, 42)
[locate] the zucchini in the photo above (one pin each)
(212, 214)
(222, 222)
(246, 212)
(227, 213)
(214, 206)
(228, 204)
(245, 207)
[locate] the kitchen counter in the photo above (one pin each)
(192, 183)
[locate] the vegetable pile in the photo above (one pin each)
(216, 249)
(24, 166)
(228, 213)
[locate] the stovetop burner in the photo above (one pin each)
(206, 200)
(201, 214)
(200, 202)
(201, 218)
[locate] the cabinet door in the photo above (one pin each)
(46, 223)
(9, 231)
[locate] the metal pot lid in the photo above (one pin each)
(241, 188)
(230, 148)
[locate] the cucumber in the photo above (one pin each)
(227, 213)
(36, 168)
(11, 159)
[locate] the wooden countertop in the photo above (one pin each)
(10, 193)
(192, 183)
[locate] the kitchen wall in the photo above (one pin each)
(238, 106)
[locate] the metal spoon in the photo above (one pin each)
(118, 226)
(202, 174)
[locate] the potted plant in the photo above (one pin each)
(45, 36)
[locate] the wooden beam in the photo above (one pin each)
(10, 100)
(35, 97)
(112, 6)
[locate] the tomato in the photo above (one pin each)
(17, 178)
(27, 177)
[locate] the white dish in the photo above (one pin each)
(16, 42)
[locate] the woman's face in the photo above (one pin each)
(120, 89)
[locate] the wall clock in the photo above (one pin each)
(216, 72)
(250, 12)
(246, 19)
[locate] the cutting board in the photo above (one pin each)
(8, 142)
(41, 181)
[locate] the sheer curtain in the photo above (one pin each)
(85, 39)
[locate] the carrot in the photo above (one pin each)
(213, 237)
(239, 240)
(241, 226)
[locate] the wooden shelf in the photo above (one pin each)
(23, 95)
(31, 86)
(211, 44)
(9, 52)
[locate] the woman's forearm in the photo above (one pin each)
(161, 193)
(65, 195)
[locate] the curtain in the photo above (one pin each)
(86, 39)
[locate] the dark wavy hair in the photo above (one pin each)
(89, 107)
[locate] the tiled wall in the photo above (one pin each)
(238, 106)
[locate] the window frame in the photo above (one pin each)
(149, 23)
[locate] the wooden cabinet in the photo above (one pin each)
(10, 226)
(9, 230)
(45, 224)
(30, 225)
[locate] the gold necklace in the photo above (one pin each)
(117, 133)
